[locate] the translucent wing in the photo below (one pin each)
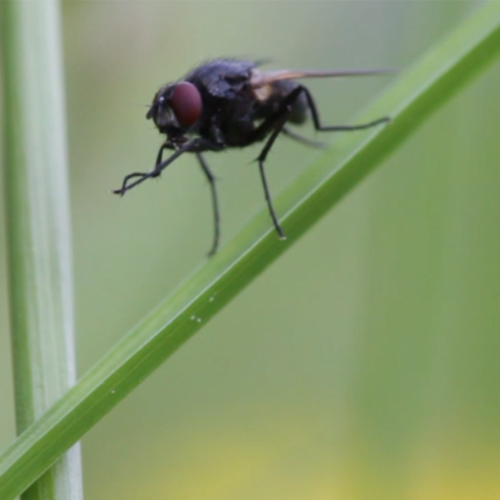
(261, 79)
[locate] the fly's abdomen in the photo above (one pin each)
(299, 110)
(280, 91)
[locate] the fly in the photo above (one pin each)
(232, 103)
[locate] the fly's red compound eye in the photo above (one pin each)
(186, 103)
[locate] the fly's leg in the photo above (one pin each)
(142, 176)
(336, 128)
(304, 140)
(215, 202)
(195, 146)
(159, 156)
(278, 127)
(274, 124)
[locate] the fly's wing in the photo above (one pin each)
(260, 79)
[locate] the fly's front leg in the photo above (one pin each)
(142, 176)
(159, 156)
(195, 146)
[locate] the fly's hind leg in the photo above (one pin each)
(336, 128)
(303, 140)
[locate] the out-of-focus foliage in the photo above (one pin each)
(364, 363)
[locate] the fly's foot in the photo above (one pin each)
(139, 176)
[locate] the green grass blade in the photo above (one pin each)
(39, 239)
(419, 92)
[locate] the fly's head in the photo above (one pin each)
(176, 107)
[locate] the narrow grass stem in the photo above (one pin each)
(38, 228)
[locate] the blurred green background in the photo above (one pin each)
(365, 363)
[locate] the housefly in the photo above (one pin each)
(232, 103)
